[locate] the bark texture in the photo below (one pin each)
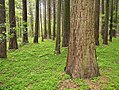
(81, 59)
(3, 50)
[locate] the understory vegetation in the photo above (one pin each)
(36, 67)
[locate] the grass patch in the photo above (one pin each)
(36, 67)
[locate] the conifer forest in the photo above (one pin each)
(59, 44)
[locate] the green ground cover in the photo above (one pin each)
(36, 67)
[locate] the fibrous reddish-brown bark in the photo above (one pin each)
(81, 60)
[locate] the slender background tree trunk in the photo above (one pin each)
(25, 32)
(105, 37)
(3, 48)
(49, 19)
(36, 22)
(45, 26)
(54, 20)
(111, 22)
(12, 21)
(66, 23)
(58, 38)
(97, 20)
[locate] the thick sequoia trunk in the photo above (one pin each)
(49, 19)
(36, 22)
(58, 38)
(3, 51)
(12, 21)
(97, 20)
(25, 32)
(111, 22)
(81, 60)
(66, 23)
(105, 32)
(54, 20)
(45, 31)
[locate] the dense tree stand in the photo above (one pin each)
(3, 50)
(81, 60)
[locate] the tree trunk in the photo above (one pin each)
(97, 21)
(45, 26)
(36, 22)
(41, 23)
(31, 19)
(116, 18)
(81, 60)
(103, 20)
(105, 37)
(25, 32)
(49, 19)
(3, 48)
(111, 22)
(58, 38)
(66, 24)
(54, 20)
(12, 21)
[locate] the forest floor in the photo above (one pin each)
(36, 67)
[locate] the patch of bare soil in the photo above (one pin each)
(1, 83)
(69, 84)
(97, 85)
(93, 85)
(104, 80)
